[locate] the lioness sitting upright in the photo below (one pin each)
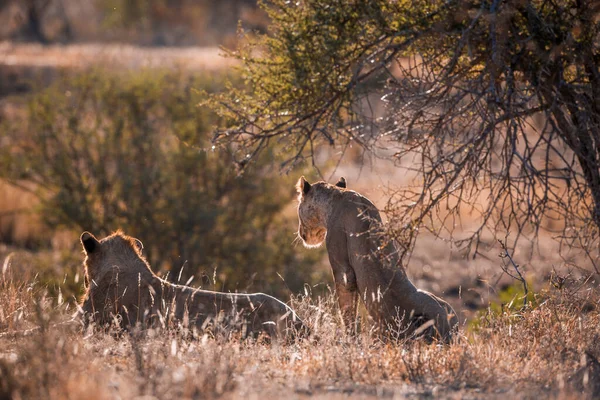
(121, 287)
(366, 267)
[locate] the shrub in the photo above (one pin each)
(107, 151)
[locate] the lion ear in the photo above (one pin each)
(139, 244)
(302, 186)
(341, 183)
(89, 242)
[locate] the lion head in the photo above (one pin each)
(313, 201)
(102, 256)
(114, 268)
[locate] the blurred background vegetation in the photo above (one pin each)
(102, 149)
(142, 22)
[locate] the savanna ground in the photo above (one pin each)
(548, 349)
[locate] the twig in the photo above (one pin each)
(506, 255)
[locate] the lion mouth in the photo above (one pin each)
(313, 239)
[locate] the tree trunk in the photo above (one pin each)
(34, 21)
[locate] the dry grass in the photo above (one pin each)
(549, 351)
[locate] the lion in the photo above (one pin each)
(365, 266)
(121, 288)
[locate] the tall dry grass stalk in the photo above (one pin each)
(15, 298)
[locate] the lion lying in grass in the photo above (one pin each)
(366, 267)
(122, 289)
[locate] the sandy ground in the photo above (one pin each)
(115, 56)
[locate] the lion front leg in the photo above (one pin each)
(348, 302)
(346, 286)
(346, 289)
